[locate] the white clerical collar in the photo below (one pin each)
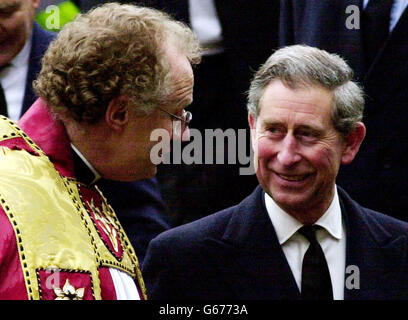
(285, 225)
(88, 164)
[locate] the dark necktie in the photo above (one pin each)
(375, 28)
(3, 103)
(316, 282)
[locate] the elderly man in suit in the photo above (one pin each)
(298, 235)
(22, 45)
(372, 35)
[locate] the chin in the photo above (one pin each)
(151, 174)
(147, 173)
(289, 200)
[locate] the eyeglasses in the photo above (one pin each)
(186, 117)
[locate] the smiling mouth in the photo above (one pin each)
(293, 177)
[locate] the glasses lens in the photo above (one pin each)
(187, 116)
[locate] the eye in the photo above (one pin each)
(275, 131)
(307, 135)
(8, 11)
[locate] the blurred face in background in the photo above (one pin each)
(16, 22)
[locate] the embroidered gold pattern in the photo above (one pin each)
(68, 292)
(91, 256)
(106, 224)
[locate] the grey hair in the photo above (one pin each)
(301, 66)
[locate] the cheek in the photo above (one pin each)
(265, 149)
(324, 160)
(18, 29)
(17, 24)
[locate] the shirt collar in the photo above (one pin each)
(285, 225)
(84, 171)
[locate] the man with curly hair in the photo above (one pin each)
(110, 78)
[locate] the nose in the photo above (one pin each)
(288, 155)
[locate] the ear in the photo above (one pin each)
(252, 127)
(353, 142)
(35, 3)
(252, 124)
(117, 114)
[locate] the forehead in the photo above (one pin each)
(181, 70)
(311, 103)
(182, 78)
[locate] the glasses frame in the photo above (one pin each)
(186, 117)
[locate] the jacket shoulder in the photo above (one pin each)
(377, 221)
(386, 223)
(187, 235)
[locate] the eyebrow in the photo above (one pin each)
(10, 6)
(273, 123)
(313, 130)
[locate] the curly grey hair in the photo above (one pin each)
(111, 50)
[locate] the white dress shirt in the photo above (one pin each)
(331, 236)
(13, 79)
(125, 286)
(396, 11)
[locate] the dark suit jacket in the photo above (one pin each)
(235, 254)
(140, 209)
(40, 42)
(138, 205)
(378, 177)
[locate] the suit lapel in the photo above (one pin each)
(39, 45)
(251, 259)
(373, 256)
